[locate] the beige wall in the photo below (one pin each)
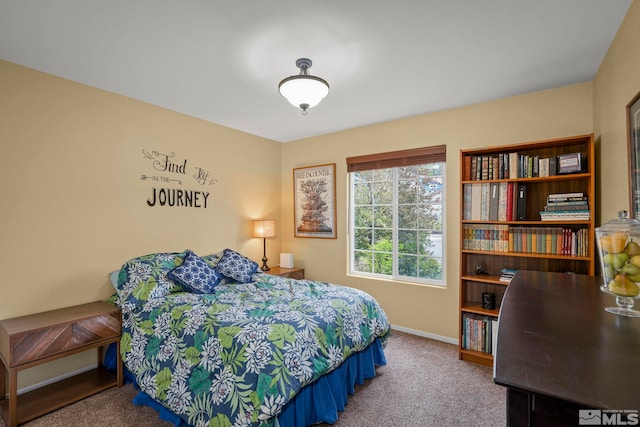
(74, 207)
(74, 204)
(616, 83)
(432, 311)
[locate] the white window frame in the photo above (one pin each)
(395, 276)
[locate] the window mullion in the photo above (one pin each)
(394, 222)
(351, 221)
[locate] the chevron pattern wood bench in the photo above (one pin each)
(32, 340)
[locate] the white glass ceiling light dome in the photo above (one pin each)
(304, 90)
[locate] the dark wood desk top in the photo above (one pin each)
(555, 339)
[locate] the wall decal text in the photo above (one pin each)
(168, 169)
(177, 197)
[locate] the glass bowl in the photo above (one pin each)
(618, 243)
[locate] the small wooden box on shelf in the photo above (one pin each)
(515, 215)
(292, 273)
(32, 340)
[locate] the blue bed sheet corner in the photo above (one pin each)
(321, 401)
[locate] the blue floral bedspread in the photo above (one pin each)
(238, 355)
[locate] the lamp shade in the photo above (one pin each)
(264, 228)
(304, 91)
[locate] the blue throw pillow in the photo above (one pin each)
(195, 275)
(236, 267)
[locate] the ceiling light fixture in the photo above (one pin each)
(304, 90)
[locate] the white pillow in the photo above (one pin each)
(113, 278)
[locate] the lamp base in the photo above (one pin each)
(264, 267)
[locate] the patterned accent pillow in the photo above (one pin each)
(195, 275)
(236, 266)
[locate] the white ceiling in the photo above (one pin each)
(221, 60)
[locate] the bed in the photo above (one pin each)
(214, 341)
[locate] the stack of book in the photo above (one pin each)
(479, 333)
(549, 240)
(509, 166)
(495, 201)
(566, 207)
(486, 237)
(506, 274)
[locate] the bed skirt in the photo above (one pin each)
(316, 403)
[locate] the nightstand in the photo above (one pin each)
(32, 340)
(292, 273)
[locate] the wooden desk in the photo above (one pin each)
(559, 351)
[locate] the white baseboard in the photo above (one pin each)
(425, 334)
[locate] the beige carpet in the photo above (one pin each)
(423, 384)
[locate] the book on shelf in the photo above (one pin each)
(566, 206)
(582, 206)
(510, 165)
(485, 167)
(503, 194)
(485, 201)
(476, 201)
(479, 333)
(493, 201)
(530, 165)
(564, 197)
(467, 201)
(509, 200)
(513, 165)
(553, 165)
(565, 215)
(504, 166)
(506, 274)
(575, 202)
(494, 336)
(543, 167)
(548, 240)
(521, 207)
(472, 167)
(485, 237)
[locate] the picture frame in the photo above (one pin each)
(314, 201)
(633, 147)
(570, 163)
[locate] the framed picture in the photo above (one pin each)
(314, 201)
(633, 138)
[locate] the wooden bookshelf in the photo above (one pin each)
(482, 250)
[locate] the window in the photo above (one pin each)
(396, 215)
